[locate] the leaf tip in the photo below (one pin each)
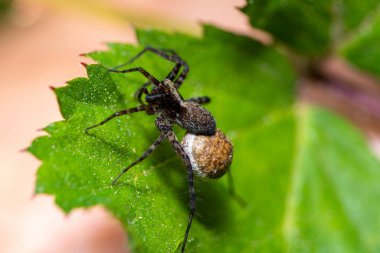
(84, 64)
(24, 150)
(83, 54)
(52, 88)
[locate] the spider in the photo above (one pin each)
(204, 149)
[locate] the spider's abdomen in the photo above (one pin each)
(196, 119)
(210, 156)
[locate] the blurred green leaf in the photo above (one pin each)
(308, 178)
(309, 27)
(5, 6)
(333, 189)
(362, 49)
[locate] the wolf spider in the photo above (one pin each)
(205, 150)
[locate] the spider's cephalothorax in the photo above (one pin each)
(190, 115)
(204, 148)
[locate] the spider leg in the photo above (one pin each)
(182, 76)
(142, 157)
(140, 91)
(169, 55)
(172, 74)
(151, 78)
(200, 100)
(165, 126)
(117, 114)
(179, 150)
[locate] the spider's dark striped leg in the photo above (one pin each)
(141, 91)
(172, 74)
(165, 53)
(182, 76)
(151, 78)
(142, 157)
(200, 100)
(134, 58)
(169, 55)
(166, 127)
(117, 114)
(190, 175)
(173, 57)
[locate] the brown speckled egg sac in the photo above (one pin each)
(210, 156)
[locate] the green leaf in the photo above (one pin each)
(308, 178)
(151, 200)
(363, 50)
(332, 199)
(309, 27)
(5, 7)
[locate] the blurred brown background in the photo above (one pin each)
(40, 43)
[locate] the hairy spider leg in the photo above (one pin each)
(200, 100)
(172, 74)
(190, 176)
(142, 157)
(181, 77)
(140, 91)
(120, 113)
(168, 54)
(172, 56)
(151, 78)
(165, 126)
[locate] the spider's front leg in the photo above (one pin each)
(145, 73)
(118, 114)
(165, 126)
(169, 55)
(143, 89)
